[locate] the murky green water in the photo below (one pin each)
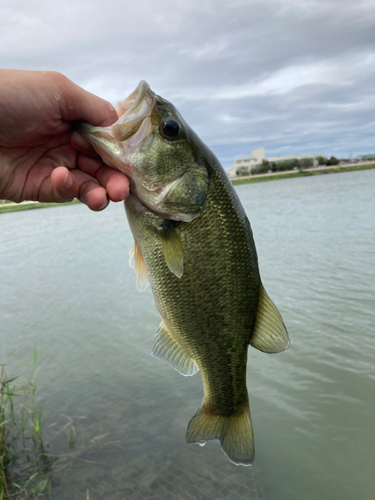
(66, 289)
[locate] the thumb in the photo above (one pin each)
(78, 104)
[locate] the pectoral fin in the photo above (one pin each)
(270, 334)
(172, 248)
(169, 350)
(137, 262)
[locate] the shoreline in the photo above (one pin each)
(273, 176)
(10, 206)
(289, 174)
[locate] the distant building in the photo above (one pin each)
(258, 155)
(348, 161)
(366, 157)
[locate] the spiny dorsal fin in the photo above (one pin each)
(137, 262)
(172, 248)
(270, 334)
(169, 350)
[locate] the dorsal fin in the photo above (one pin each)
(169, 350)
(137, 262)
(270, 334)
(172, 248)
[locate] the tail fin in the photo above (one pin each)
(235, 433)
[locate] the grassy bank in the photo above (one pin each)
(301, 173)
(15, 207)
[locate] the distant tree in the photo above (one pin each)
(265, 166)
(333, 161)
(306, 163)
(262, 168)
(281, 166)
(291, 164)
(243, 171)
(322, 160)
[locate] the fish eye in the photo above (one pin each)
(170, 128)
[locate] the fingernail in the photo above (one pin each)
(111, 108)
(105, 205)
(122, 196)
(68, 181)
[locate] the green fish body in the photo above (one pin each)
(194, 245)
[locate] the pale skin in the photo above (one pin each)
(41, 157)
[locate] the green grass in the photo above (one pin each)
(302, 173)
(9, 207)
(26, 471)
(20, 433)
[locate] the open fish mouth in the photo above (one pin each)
(117, 141)
(132, 111)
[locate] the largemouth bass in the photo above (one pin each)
(194, 245)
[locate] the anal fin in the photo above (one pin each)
(270, 334)
(169, 350)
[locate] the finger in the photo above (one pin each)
(78, 104)
(93, 195)
(115, 182)
(64, 185)
(80, 143)
(67, 185)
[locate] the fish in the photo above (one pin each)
(194, 245)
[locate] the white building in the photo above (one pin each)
(258, 155)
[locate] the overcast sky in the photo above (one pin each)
(293, 76)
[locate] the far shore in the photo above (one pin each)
(9, 206)
(288, 174)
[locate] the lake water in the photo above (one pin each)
(66, 289)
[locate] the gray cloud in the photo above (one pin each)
(294, 76)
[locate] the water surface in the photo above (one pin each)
(66, 289)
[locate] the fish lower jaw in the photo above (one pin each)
(141, 207)
(157, 209)
(137, 204)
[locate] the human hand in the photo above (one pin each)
(41, 158)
